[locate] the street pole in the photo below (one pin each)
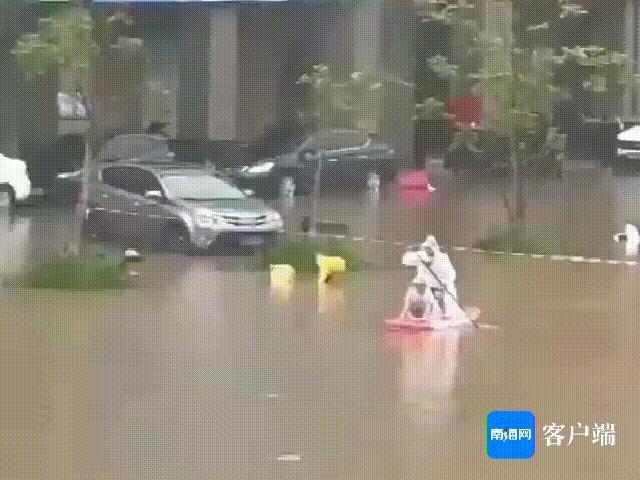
(316, 193)
(88, 153)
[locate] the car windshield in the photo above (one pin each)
(144, 148)
(200, 188)
(335, 140)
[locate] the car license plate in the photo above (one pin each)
(251, 241)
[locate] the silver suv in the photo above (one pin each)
(179, 205)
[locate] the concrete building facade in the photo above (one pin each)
(227, 72)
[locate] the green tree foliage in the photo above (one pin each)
(528, 53)
(522, 71)
(63, 40)
(73, 40)
(340, 102)
(18, 3)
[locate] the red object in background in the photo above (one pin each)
(407, 324)
(415, 187)
(466, 110)
(415, 180)
(415, 197)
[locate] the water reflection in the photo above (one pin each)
(199, 373)
(286, 203)
(429, 362)
(14, 242)
(331, 295)
(412, 197)
(372, 196)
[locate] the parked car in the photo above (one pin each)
(143, 148)
(14, 179)
(628, 148)
(349, 158)
(181, 205)
(478, 150)
(139, 147)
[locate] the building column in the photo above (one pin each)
(367, 53)
(160, 37)
(366, 37)
(193, 84)
(335, 37)
(398, 59)
(223, 74)
(630, 104)
(258, 66)
(497, 20)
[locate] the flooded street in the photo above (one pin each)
(200, 370)
(319, 239)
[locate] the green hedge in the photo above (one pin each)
(301, 255)
(521, 238)
(94, 274)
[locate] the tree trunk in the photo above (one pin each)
(520, 191)
(515, 200)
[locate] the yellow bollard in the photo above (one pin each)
(282, 281)
(328, 266)
(330, 297)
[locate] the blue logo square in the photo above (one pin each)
(511, 434)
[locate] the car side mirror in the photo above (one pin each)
(249, 193)
(153, 195)
(75, 175)
(307, 155)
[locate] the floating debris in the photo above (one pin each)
(289, 457)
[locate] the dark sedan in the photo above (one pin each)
(348, 157)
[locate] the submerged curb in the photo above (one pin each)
(557, 258)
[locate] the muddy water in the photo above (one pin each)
(208, 374)
(577, 215)
(200, 370)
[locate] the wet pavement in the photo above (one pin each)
(199, 370)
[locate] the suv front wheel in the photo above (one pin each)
(177, 238)
(7, 196)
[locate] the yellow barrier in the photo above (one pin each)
(282, 281)
(282, 275)
(328, 266)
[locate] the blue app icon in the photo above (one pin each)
(511, 434)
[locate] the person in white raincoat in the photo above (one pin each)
(631, 239)
(416, 301)
(435, 271)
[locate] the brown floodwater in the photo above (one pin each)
(214, 376)
(201, 370)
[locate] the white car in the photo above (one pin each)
(629, 143)
(14, 179)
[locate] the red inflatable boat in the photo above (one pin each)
(432, 322)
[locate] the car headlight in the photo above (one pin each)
(274, 217)
(69, 175)
(205, 219)
(264, 167)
